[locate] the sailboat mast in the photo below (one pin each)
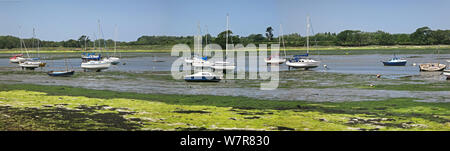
(115, 40)
(226, 41)
(99, 43)
(307, 34)
(206, 38)
(282, 40)
(198, 41)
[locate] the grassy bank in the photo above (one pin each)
(37, 107)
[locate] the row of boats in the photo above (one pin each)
(298, 61)
(90, 61)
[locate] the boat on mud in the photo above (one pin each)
(202, 77)
(432, 67)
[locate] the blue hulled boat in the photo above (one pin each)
(395, 62)
(61, 73)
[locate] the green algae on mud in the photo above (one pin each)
(68, 108)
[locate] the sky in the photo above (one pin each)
(69, 19)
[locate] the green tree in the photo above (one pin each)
(422, 36)
(269, 33)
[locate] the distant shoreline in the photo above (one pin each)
(166, 49)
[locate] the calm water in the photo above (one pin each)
(354, 64)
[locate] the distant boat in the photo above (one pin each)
(395, 62)
(302, 61)
(202, 77)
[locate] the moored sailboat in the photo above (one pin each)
(275, 59)
(395, 62)
(302, 61)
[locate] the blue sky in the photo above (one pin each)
(69, 19)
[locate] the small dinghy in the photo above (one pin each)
(202, 77)
(432, 67)
(395, 62)
(61, 73)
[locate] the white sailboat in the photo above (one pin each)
(224, 65)
(302, 61)
(200, 62)
(114, 60)
(96, 65)
(17, 58)
(31, 63)
(275, 59)
(431, 67)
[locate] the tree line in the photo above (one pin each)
(422, 36)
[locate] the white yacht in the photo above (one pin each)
(302, 61)
(95, 65)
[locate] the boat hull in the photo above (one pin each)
(387, 63)
(61, 73)
(306, 65)
(275, 61)
(32, 65)
(447, 74)
(17, 60)
(430, 67)
(95, 65)
(202, 79)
